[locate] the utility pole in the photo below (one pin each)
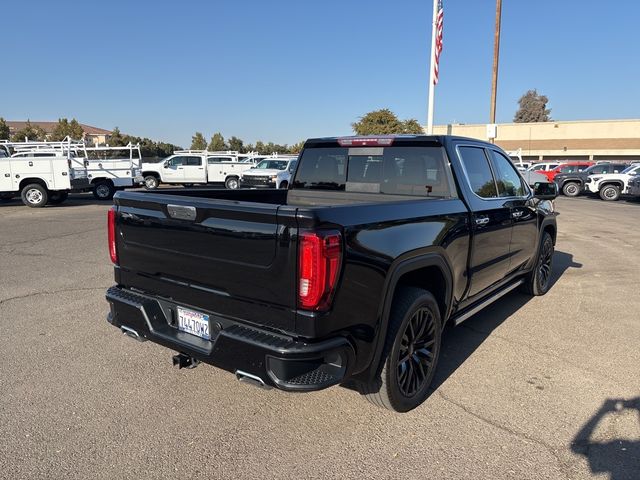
(496, 54)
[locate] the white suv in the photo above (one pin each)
(611, 185)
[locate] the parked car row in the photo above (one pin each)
(228, 169)
(608, 180)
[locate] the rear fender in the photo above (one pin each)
(399, 268)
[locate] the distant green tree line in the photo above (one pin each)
(218, 143)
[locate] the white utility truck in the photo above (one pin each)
(114, 168)
(196, 167)
(40, 175)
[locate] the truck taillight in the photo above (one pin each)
(319, 260)
(111, 232)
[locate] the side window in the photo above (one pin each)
(194, 161)
(598, 170)
(509, 182)
(478, 171)
(175, 161)
(535, 168)
(218, 159)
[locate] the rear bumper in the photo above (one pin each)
(277, 360)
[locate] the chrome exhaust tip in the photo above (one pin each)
(251, 379)
(131, 333)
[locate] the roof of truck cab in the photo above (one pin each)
(399, 138)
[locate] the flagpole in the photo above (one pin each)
(432, 71)
(496, 55)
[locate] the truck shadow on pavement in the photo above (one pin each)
(460, 342)
(620, 458)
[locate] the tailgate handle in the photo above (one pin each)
(182, 212)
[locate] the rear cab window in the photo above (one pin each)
(401, 171)
(478, 170)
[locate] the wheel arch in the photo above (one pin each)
(604, 183)
(100, 180)
(151, 173)
(551, 229)
(26, 181)
(429, 271)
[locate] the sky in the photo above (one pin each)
(284, 71)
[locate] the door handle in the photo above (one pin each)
(482, 220)
(517, 214)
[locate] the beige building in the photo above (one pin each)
(94, 135)
(558, 140)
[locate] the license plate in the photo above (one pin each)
(195, 323)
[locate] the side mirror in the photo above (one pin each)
(166, 164)
(545, 190)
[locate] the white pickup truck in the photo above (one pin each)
(40, 177)
(610, 186)
(196, 167)
(272, 172)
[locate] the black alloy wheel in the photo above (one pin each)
(417, 352)
(410, 354)
(538, 281)
(545, 264)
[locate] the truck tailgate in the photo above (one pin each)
(226, 257)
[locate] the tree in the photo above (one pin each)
(217, 143)
(198, 142)
(31, 132)
(5, 133)
(533, 108)
(384, 122)
(412, 126)
(116, 139)
(296, 147)
(236, 144)
(64, 128)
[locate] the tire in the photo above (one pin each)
(34, 195)
(538, 281)
(414, 320)
(232, 183)
(151, 182)
(571, 189)
(609, 193)
(284, 185)
(104, 190)
(56, 198)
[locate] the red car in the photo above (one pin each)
(568, 167)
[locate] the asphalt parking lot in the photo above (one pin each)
(539, 388)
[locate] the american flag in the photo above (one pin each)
(438, 50)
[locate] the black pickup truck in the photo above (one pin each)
(347, 277)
